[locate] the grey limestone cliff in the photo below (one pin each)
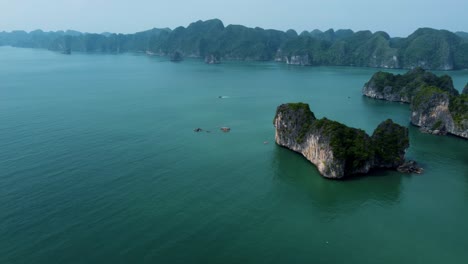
(440, 113)
(302, 60)
(337, 150)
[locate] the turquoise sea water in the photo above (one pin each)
(99, 164)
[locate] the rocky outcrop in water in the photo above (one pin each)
(410, 166)
(438, 112)
(66, 51)
(436, 106)
(401, 88)
(212, 59)
(176, 56)
(337, 150)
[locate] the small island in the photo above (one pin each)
(339, 151)
(212, 59)
(401, 88)
(436, 106)
(176, 56)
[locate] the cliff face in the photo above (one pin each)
(388, 92)
(465, 90)
(302, 60)
(292, 124)
(337, 150)
(440, 113)
(432, 114)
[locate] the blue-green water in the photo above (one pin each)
(99, 164)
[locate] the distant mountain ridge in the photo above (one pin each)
(462, 34)
(427, 48)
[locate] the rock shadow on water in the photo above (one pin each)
(334, 197)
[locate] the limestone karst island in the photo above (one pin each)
(336, 150)
(436, 106)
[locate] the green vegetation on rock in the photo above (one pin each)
(351, 145)
(465, 90)
(437, 125)
(408, 84)
(390, 142)
(459, 108)
(430, 48)
(300, 106)
(424, 94)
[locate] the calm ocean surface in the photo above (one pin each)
(99, 164)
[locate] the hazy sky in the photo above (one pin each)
(397, 17)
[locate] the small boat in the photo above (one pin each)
(225, 129)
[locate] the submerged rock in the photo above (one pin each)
(337, 150)
(410, 166)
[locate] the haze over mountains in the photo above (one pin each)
(427, 48)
